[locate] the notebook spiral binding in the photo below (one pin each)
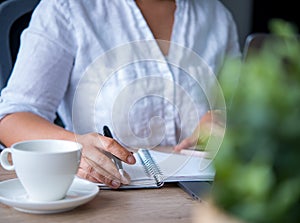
(150, 166)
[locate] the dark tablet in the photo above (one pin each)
(198, 190)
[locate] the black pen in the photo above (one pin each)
(117, 161)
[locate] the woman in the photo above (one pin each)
(63, 47)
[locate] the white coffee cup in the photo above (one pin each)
(45, 168)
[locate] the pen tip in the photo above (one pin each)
(125, 178)
(121, 171)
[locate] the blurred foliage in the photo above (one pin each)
(258, 165)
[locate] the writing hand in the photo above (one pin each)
(96, 166)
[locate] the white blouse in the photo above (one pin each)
(96, 62)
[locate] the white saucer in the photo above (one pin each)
(13, 194)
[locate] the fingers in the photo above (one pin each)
(125, 178)
(112, 146)
(212, 123)
(93, 172)
(186, 143)
(99, 160)
(96, 164)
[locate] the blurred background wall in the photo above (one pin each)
(254, 15)
(242, 12)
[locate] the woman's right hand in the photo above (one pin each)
(96, 166)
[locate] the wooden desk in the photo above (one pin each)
(168, 204)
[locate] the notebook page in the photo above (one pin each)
(175, 167)
(178, 167)
(137, 171)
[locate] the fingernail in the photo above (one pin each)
(130, 159)
(115, 183)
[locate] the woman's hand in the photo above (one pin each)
(211, 124)
(96, 166)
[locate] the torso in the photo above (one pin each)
(193, 26)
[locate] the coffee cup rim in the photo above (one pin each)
(16, 145)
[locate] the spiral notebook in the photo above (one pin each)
(154, 168)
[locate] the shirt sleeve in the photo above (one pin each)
(44, 63)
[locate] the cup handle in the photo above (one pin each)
(4, 159)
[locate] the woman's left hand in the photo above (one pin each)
(211, 124)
